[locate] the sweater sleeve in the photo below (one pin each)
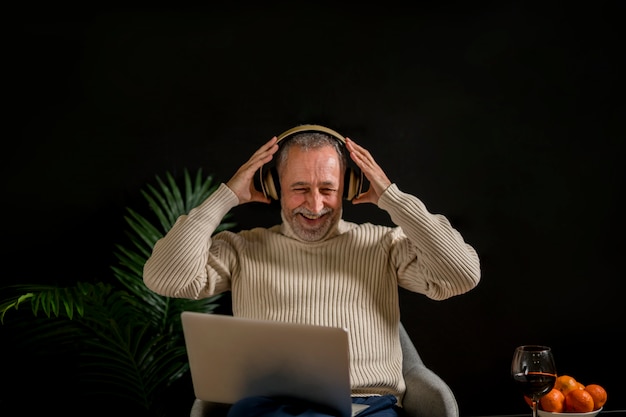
(180, 264)
(431, 256)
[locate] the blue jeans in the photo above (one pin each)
(384, 406)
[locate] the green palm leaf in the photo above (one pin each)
(128, 340)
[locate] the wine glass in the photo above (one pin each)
(533, 371)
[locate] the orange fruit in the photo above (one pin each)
(566, 383)
(578, 401)
(552, 401)
(598, 393)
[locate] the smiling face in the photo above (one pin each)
(311, 183)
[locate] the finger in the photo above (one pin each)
(355, 147)
(267, 150)
(359, 154)
(262, 156)
(364, 198)
(257, 196)
(372, 171)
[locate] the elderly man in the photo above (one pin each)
(315, 267)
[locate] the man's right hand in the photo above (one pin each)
(242, 183)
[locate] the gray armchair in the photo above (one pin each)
(427, 395)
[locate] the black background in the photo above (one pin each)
(505, 117)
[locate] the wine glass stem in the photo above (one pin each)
(535, 408)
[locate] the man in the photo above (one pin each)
(315, 267)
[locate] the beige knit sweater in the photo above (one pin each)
(350, 279)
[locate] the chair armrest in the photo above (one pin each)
(205, 409)
(427, 395)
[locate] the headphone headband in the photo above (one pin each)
(310, 128)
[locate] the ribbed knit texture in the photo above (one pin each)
(350, 279)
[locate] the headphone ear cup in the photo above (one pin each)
(353, 183)
(269, 184)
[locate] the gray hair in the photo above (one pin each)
(308, 141)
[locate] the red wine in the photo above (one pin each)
(535, 384)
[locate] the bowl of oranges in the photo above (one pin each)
(542, 413)
(571, 398)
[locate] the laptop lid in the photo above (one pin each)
(231, 358)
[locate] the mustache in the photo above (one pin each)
(309, 213)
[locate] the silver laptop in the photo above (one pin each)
(232, 358)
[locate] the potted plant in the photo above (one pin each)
(108, 346)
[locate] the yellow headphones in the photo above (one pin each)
(268, 176)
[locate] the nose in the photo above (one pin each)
(315, 201)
